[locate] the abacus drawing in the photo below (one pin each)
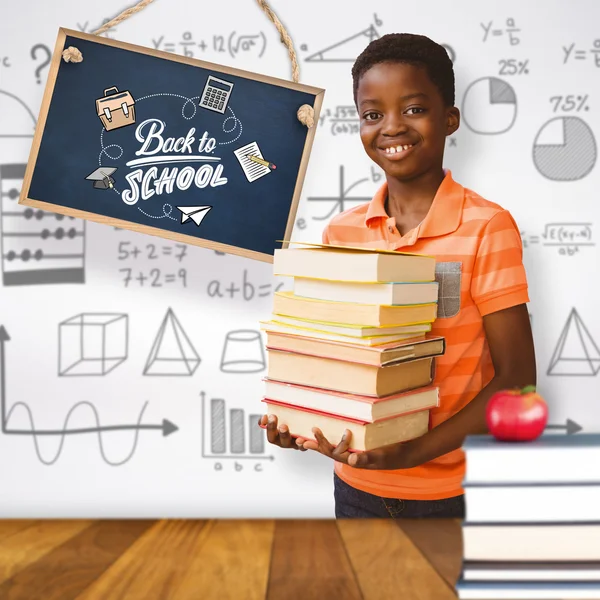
(37, 247)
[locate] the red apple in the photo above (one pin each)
(516, 415)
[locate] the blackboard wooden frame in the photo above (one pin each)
(155, 231)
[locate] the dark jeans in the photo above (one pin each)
(351, 503)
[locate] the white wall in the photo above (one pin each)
(496, 152)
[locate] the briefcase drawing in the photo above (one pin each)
(116, 109)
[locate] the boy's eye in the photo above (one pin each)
(371, 116)
(417, 110)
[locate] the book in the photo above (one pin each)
(358, 331)
(530, 571)
(380, 355)
(272, 326)
(537, 503)
(548, 459)
(374, 315)
(365, 408)
(396, 293)
(353, 378)
(365, 435)
(353, 265)
(563, 541)
(524, 590)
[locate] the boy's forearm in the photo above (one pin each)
(451, 434)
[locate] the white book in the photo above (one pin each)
(541, 503)
(350, 264)
(477, 590)
(530, 571)
(532, 541)
(548, 459)
(388, 294)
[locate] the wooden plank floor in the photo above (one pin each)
(351, 559)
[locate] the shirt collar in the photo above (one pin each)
(444, 215)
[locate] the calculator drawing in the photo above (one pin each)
(216, 94)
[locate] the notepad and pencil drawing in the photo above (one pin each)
(253, 162)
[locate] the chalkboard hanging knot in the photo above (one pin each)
(306, 115)
(72, 54)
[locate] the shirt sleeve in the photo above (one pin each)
(499, 279)
(325, 235)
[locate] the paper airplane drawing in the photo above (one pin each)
(196, 213)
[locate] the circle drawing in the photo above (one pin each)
(565, 149)
(489, 106)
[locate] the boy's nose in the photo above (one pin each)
(393, 126)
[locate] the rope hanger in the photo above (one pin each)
(305, 113)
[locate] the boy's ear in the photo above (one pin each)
(452, 120)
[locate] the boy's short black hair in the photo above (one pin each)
(412, 49)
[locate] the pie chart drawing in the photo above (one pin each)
(565, 149)
(489, 106)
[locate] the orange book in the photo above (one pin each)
(355, 406)
(353, 378)
(365, 435)
(379, 356)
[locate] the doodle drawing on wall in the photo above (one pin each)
(33, 251)
(576, 352)
(172, 352)
(565, 149)
(489, 106)
(97, 430)
(92, 344)
(229, 438)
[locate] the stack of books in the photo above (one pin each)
(532, 521)
(348, 348)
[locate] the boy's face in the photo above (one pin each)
(399, 106)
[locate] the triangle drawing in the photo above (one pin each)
(172, 352)
(576, 352)
(347, 50)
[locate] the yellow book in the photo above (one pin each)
(352, 330)
(273, 326)
(375, 315)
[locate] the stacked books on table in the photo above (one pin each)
(348, 348)
(532, 522)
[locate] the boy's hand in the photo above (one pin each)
(394, 456)
(280, 436)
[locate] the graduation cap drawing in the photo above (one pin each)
(102, 178)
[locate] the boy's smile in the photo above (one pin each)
(403, 120)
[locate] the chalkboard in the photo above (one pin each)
(170, 146)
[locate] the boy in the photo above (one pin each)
(404, 93)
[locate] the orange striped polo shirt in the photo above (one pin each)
(479, 256)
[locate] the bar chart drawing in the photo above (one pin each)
(227, 432)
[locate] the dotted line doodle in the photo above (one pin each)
(166, 213)
(191, 100)
(105, 149)
(236, 122)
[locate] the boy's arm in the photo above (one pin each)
(511, 347)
